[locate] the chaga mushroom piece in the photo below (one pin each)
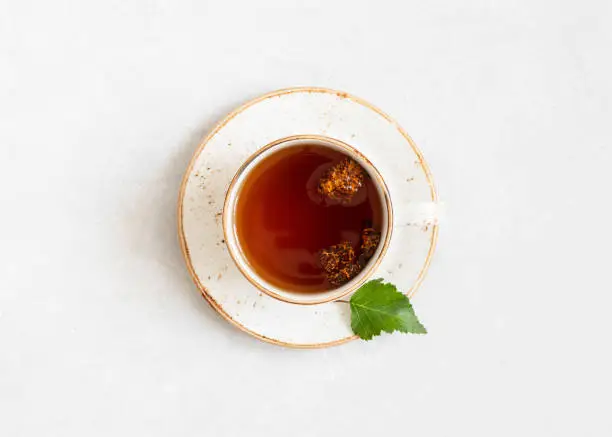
(370, 238)
(339, 262)
(344, 275)
(342, 181)
(334, 257)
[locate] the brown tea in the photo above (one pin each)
(284, 221)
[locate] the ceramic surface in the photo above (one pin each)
(284, 113)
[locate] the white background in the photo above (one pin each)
(103, 103)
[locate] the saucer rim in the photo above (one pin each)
(218, 126)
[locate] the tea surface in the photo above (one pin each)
(283, 222)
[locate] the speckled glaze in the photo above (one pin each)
(284, 113)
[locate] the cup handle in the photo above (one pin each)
(418, 214)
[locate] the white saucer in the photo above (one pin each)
(281, 114)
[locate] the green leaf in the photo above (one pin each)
(378, 307)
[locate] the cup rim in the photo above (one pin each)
(229, 232)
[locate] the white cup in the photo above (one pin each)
(233, 242)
